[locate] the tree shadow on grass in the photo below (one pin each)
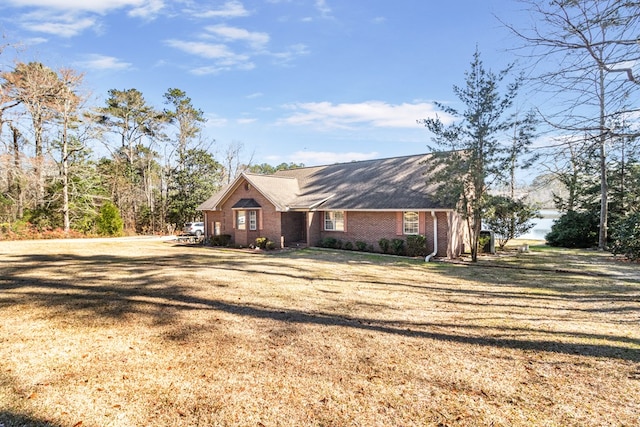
(10, 419)
(138, 290)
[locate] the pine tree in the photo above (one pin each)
(473, 152)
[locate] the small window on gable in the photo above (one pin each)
(334, 221)
(411, 223)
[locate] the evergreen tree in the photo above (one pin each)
(200, 177)
(473, 153)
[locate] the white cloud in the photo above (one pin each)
(103, 62)
(326, 115)
(231, 9)
(63, 26)
(290, 53)
(147, 9)
(35, 40)
(223, 58)
(215, 121)
(68, 18)
(98, 6)
(323, 8)
(310, 158)
(246, 121)
(254, 95)
(204, 50)
(255, 39)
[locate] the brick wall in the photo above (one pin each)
(269, 221)
(314, 228)
(370, 227)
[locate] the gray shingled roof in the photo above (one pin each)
(394, 183)
(398, 183)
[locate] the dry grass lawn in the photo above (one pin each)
(141, 332)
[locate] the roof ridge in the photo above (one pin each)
(268, 175)
(357, 161)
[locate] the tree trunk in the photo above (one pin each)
(65, 172)
(15, 182)
(604, 186)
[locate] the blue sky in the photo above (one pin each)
(304, 81)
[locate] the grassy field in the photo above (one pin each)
(143, 332)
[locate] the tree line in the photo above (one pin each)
(158, 169)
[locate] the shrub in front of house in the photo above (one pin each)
(221, 240)
(384, 245)
(331, 243)
(348, 246)
(363, 246)
(417, 246)
(397, 246)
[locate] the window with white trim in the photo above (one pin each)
(253, 220)
(334, 221)
(411, 222)
(241, 220)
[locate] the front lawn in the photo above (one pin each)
(141, 332)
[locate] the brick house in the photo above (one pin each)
(358, 201)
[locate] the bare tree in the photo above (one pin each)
(233, 164)
(584, 52)
(66, 106)
(37, 88)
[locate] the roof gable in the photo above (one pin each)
(279, 190)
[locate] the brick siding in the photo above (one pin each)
(370, 227)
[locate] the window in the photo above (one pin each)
(241, 223)
(217, 228)
(334, 221)
(253, 220)
(411, 223)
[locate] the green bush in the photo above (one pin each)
(362, 246)
(221, 240)
(625, 236)
(330, 242)
(574, 230)
(417, 245)
(109, 222)
(397, 246)
(384, 245)
(348, 246)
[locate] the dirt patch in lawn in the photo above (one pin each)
(143, 332)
